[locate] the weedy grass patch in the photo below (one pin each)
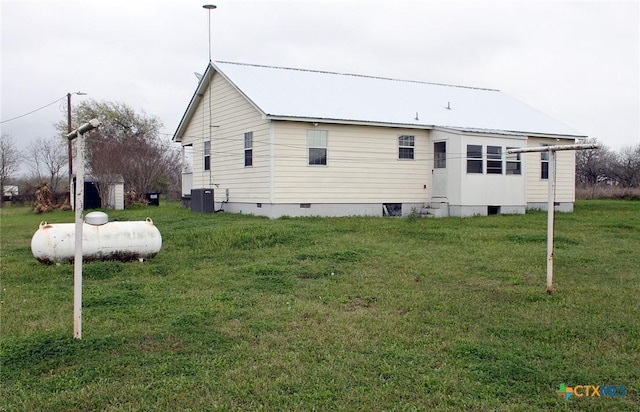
(239, 312)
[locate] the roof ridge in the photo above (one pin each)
(355, 75)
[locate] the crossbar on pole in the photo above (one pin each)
(555, 148)
(551, 205)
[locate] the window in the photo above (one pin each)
(514, 164)
(474, 158)
(440, 155)
(317, 142)
(494, 160)
(544, 165)
(248, 149)
(187, 158)
(207, 155)
(406, 146)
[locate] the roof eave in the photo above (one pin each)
(511, 132)
(347, 121)
(193, 103)
(242, 93)
(422, 126)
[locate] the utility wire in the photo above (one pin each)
(33, 111)
(362, 154)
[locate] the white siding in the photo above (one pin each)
(231, 116)
(116, 196)
(362, 166)
(481, 189)
(491, 189)
(537, 188)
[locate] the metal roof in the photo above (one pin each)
(309, 95)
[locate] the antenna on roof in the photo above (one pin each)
(209, 7)
(448, 105)
(417, 118)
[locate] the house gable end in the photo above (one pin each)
(202, 88)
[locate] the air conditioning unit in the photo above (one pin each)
(202, 200)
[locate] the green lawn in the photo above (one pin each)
(239, 312)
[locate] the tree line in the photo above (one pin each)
(128, 146)
(608, 173)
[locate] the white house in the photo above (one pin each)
(276, 141)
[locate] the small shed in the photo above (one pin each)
(116, 194)
(92, 198)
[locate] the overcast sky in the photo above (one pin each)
(576, 61)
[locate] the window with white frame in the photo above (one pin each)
(406, 146)
(514, 163)
(207, 155)
(248, 149)
(544, 165)
(494, 160)
(474, 158)
(317, 142)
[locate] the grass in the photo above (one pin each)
(240, 312)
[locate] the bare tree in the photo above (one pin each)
(150, 171)
(10, 158)
(594, 166)
(172, 183)
(128, 145)
(627, 166)
(48, 160)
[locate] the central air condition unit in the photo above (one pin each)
(202, 200)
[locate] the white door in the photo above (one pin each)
(439, 171)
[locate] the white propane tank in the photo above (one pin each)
(101, 240)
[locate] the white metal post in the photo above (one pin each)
(79, 206)
(551, 208)
(77, 261)
(550, 218)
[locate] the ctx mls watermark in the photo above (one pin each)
(580, 391)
